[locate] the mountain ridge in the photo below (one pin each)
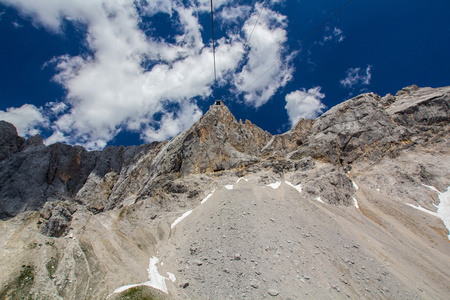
(366, 125)
(363, 166)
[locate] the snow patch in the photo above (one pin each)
(418, 207)
(242, 178)
(231, 186)
(207, 197)
(298, 187)
(355, 185)
(124, 288)
(156, 280)
(274, 185)
(171, 276)
(355, 203)
(431, 188)
(378, 190)
(320, 200)
(443, 209)
(179, 219)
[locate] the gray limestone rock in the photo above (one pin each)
(10, 142)
(421, 107)
(39, 174)
(353, 129)
(34, 141)
(55, 218)
(331, 184)
(273, 292)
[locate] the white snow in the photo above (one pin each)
(242, 178)
(432, 188)
(355, 203)
(230, 186)
(156, 280)
(320, 200)
(418, 207)
(125, 287)
(355, 185)
(443, 209)
(179, 219)
(274, 185)
(207, 197)
(171, 276)
(298, 187)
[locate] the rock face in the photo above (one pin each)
(262, 213)
(55, 218)
(10, 142)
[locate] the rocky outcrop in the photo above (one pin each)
(424, 112)
(55, 218)
(38, 174)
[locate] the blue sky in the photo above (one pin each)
(109, 72)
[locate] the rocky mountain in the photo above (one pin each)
(352, 204)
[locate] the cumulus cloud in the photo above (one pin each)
(172, 124)
(357, 77)
(304, 104)
(110, 90)
(26, 118)
(267, 68)
(132, 80)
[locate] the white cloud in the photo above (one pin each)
(234, 14)
(304, 104)
(338, 35)
(357, 77)
(138, 82)
(56, 108)
(157, 6)
(335, 34)
(26, 118)
(266, 69)
(172, 124)
(111, 91)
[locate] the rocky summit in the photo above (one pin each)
(354, 204)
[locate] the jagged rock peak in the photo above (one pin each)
(216, 142)
(218, 113)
